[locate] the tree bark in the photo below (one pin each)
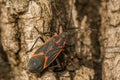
(110, 39)
(93, 53)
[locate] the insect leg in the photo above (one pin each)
(37, 39)
(42, 32)
(72, 62)
(34, 43)
(55, 65)
(60, 65)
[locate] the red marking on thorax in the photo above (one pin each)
(58, 41)
(51, 48)
(60, 50)
(39, 54)
(55, 34)
(57, 54)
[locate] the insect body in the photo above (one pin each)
(47, 53)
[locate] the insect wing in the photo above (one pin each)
(56, 48)
(47, 53)
(36, 64)
(38, 60)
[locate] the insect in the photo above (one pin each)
(47, 53)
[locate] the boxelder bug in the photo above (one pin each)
(47, 53)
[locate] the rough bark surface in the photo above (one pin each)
(93, 51)
(110, 39)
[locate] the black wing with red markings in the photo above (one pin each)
(47, 53)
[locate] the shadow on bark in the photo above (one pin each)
(5, 68)
(90, 8)
(62, 18)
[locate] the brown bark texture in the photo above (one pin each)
(92, 48)
(110, 30)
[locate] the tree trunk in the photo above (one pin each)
(110, 39)
(86, 22)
